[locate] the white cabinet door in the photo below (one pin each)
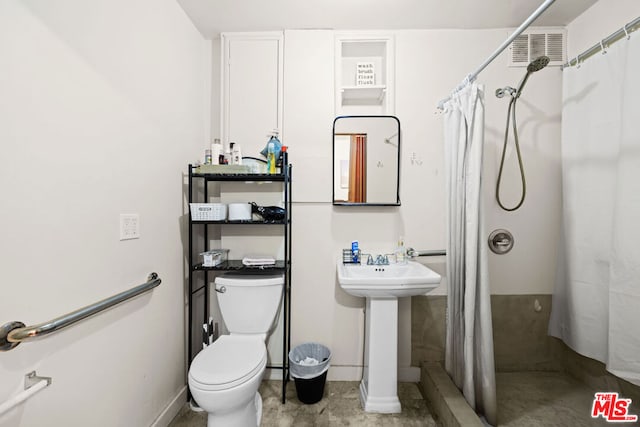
(251, 88)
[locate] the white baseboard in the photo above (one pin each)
(272, 374)
(406, 374)
(344, 373)
(336, 373)
(172, 409)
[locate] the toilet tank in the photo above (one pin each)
(249, 303)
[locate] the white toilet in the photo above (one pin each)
(224, 377)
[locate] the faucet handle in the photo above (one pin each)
(370, 260)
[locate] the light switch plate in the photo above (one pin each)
(129, 226)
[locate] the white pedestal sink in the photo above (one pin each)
(381, 285)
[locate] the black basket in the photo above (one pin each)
(311, 390)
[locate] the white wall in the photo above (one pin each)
(428, 65)
(598, 22)
(103, 104)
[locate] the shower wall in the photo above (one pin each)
(520, 338)
(526, 275)
(520, 335)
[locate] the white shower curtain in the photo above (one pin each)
(596, 302)
(469, 343)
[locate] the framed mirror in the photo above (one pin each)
(366, 161)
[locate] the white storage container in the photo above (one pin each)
(239, 212)
(214, 257)
(208, 211)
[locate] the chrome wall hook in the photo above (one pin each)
(32, 379)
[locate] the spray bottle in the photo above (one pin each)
(401, 252)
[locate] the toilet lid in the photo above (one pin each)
(229, 361)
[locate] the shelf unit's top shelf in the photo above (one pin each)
(237, 265)
(262, 177)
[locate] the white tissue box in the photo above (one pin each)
(239, 212)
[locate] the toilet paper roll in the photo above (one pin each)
(239, 211)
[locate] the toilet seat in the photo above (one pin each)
(230, 361)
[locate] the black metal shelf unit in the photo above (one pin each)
(281, 266)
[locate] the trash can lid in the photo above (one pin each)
(229, 361)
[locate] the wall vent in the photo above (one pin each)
(537, 42)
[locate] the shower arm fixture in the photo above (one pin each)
(507, 90)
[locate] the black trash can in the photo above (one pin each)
(309, 363)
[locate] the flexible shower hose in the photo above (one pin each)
(511, 112)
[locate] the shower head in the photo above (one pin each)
(536, 65)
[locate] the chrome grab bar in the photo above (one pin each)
(412, 253)
(13, 333)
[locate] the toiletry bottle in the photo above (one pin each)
(284, 158)
(232, 146)
(277, 146)
(227, 153)
(271, 158)
(355, 252)
(207, 156)
(236, 154)
(216, 151)
(401, 252)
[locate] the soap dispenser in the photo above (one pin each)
(401, 252)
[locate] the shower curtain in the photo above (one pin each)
(596, 302)
(469, 339)
(358, 169)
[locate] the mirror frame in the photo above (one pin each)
(333, 164)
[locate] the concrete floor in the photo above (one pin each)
(340, 406)
(549, 399)
(525, 399)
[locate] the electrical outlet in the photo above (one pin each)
(129, 226)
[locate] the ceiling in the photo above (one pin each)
(214, 16)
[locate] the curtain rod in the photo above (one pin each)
(624, 31)
(471, 77)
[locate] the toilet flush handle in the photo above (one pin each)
(221, 289)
